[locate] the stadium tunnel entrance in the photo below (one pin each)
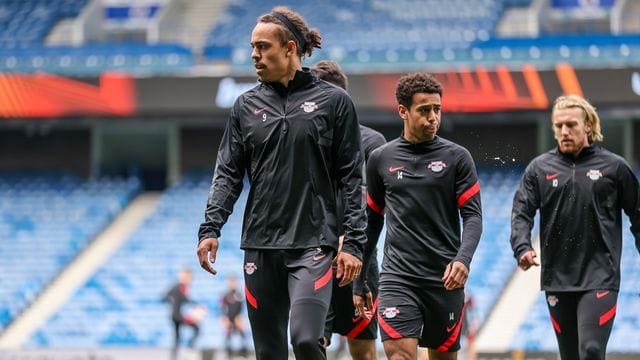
(147, 151)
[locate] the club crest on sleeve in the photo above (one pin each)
(437, 166)
(309, 106)
(250, 268)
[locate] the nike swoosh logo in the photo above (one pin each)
(449, 329)
(600, 295)
(552, 176)
(394, 169)
(356, 319)
(258, 111)
(318, 257)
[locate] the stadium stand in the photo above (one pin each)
(493, 262)
(359, 30)
(94, 59)
(361, 35)
(25, 24)
(45, 220)
(121, 304)
(438, 34)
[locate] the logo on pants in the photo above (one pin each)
(250, 268)
(319, 254)
(390, 312)
(552, 300)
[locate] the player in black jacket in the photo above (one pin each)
(423, 184)
(177, 297)
(344, 318)
(297, 139)
(580, 189)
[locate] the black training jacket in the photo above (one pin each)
(298, 145)
(580, 201)
(423, 190)
(371, 140)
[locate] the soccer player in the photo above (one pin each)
(177, 297)
(231, 306)
(423, 184)
(580, 189)
(343, 317)
(297, 140)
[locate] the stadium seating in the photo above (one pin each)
(361, 35)
(121, 304)
(25, 23)
(94, 59)
(493, 262)
(438, 34)
(45, 220)
(355, 26)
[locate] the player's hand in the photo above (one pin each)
(455, 275)
(207, 250)
(364, 305)
(349, 267)
(527, 260)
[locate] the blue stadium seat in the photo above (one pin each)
(57, 213)
(127, 304)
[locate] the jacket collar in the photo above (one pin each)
(422, 145)
(585, 152)
(300, 79)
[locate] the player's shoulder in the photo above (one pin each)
(610, 156)
(543, 160)
(385, 149)
(371, 136)
(330, 88)
(255, 91)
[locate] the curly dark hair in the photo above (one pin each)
(416, 83)
(329, 70)
(312, 36)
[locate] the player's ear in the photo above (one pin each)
(402, 111)
(292, 48)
